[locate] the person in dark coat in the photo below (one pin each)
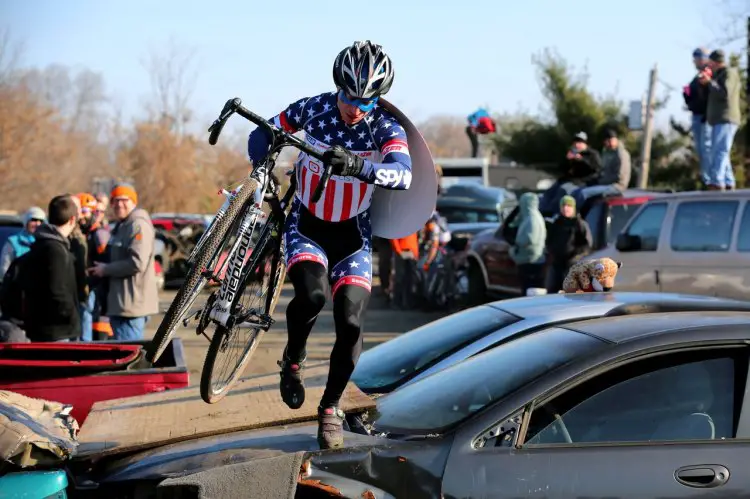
(568, 239)
(51, 292)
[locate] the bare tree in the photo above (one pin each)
(173, 80)
(10, 55)
(446, 136)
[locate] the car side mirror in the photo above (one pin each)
(628, 242)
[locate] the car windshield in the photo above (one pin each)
(443, 399)
(469, 215)
(396, 361)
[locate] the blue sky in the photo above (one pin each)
(449, 57)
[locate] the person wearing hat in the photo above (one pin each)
(132, 294)
(723, 115)
(20, 243)
(614, 176)
(580, 166)
(696, 99)
(568, 239)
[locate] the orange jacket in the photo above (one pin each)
(408, 243)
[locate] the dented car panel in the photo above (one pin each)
(411, 469)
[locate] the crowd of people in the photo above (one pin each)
(71, 275)
(713, 98)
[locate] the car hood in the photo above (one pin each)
(365, 459)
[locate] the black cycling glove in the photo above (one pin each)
(343, 162)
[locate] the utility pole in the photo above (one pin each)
(648, 129)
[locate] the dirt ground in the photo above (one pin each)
(381, 324)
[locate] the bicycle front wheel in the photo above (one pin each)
(231, 348)
(195, 279)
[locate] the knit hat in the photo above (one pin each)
(581, 136)
(700, 53)
(34, 213)
(568, 201)
(717, 56)
(124, 191)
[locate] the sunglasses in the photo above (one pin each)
(365, 105)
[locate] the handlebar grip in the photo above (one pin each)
(318, 192)
(215, 129)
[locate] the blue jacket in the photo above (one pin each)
(474, 117)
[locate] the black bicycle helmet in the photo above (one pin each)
(363, 70)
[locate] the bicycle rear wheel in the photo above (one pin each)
(195, 279)
(231, 348)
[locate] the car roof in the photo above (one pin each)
(614, 303)
(701, 195)
(6, 219)
(628, 328)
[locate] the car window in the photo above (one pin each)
(619, 215)
(467, 215)
(743, 238)
(647, 225)
(703, 225)
(447, 397)
(6, 231)
(398, 360)
(664, 398)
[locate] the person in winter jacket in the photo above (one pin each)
(696, 99)
(614, 176)
(96, 244)
(20, 243)
(132, 294)
(528, 250)
(568, 239)
(51, 297)
(406, 254)
(480, 123)
(580, 167)
(724, 115)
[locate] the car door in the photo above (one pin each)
(641, 262)
(699, 256)
(673, 425)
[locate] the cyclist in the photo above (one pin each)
(328, 243)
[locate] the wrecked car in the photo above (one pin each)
(646, 405)
(433, 347)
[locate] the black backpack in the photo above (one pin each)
(13, 288)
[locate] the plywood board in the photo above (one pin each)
(155, 419)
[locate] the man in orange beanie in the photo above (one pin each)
(132, 296)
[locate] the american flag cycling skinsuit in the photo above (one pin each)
(380, 140)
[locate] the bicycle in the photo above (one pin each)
(255, 257)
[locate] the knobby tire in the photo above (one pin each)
(208, 394)
(177, 308)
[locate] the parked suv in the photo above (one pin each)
(690, 242)
(491, 270)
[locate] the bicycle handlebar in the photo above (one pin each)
(235, 106)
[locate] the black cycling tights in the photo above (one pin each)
(349, 304)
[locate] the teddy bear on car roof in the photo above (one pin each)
(591, 275)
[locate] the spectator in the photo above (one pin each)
(103, 201)
(615, 174)
(51, 302)
(696, 98)
(132, 295)
(580, 166)
(723, 115)
(528, 249)
(94, 244)
(406, 253)
(20, 243)
(480, 123)
(97, 238)
(568, 239)
(79, 249)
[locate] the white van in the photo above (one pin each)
(688, 242)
